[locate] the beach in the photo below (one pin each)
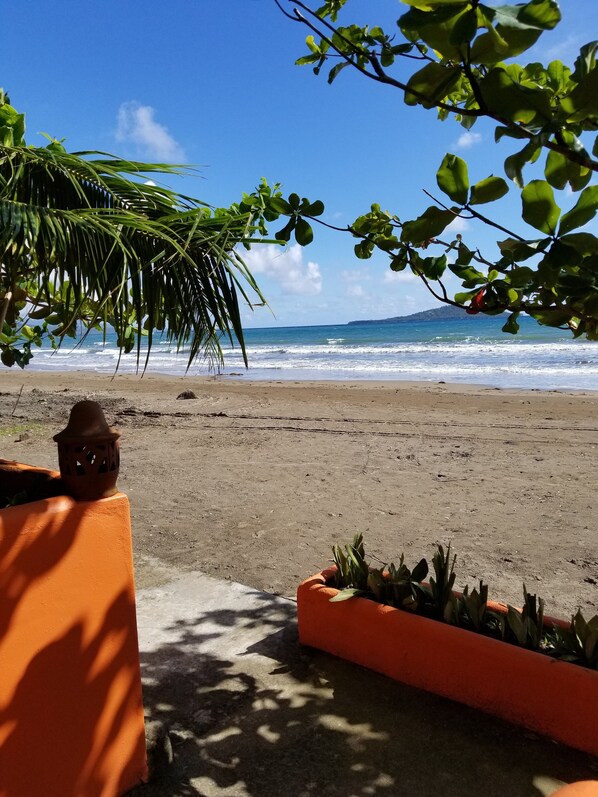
(255, 481)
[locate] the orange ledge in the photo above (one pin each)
(551, 697)
(71, 714)
(584, 788)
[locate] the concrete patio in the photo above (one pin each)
(252, 714)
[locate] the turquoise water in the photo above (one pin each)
(471, 350)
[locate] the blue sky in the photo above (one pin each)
(212, 83)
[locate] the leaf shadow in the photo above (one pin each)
(257, 714)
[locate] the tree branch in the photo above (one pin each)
(444, 298)
(379, 75)
(383, 77)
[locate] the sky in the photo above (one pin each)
(213, 84)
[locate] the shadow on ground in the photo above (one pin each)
(267, 718)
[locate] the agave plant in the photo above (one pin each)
(579, 642)
(86, 241)
(399, 586)
(403, 588)
(525, 627)
(352, 570)
(443, 599)
(473, 608)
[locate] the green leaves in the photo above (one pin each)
(84, 241)
(351, 568)
(474, 605)
(433, 5)
(12, 124)
(445, 28)
(396, 585)
(296, 209)
(303, 232)
(517, 27)
(539, 208)
(430, 224)
(583, 212)
(467, 49)
(582, 102)
(514, 163)
(452, 178)
(506, 95)
(511, 326)
(441, 587)
(488, 190)
(431, 267)
(527, 626)
(560, 170)
(578, 643)
(544, 14)
(431, 84)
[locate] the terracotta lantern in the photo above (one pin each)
(88, 453)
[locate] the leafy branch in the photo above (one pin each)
(85, 243)
(468, 49)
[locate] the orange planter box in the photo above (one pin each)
(551, 697)
(584, 788)
(71, 714)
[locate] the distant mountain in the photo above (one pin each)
(445, 312)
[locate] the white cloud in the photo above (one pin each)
(356, 291)
(355, 275)
(468, 139)
(136, 125)
(286, 267)
(399, 276)
(458, 225)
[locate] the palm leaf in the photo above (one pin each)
(139, 257)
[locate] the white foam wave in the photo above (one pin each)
(510, 362)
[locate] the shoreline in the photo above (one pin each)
(255, 481)
(153, 380)
(539, 358)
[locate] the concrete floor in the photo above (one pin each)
(252, 714)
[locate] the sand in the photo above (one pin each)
(255, 481)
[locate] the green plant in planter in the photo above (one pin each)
(444, 601)
(392, 585)
(15, 499)
(403, 588)
(579, 642)
(526, 627)
(473, 608)
(399, 586)
(352, 570)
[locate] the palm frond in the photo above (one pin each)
(84, 237)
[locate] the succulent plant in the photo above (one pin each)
(352, 569)
(526, 627)
(579, 642)
(398, 586)
(443, 599)
(472, 607)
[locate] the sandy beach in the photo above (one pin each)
(255, 481)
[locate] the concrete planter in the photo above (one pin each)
(71, 714)
(550, 697)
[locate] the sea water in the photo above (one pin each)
(469, 350)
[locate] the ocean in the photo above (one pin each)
(471, 350)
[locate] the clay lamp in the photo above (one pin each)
(88, 453)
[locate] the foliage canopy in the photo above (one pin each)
(462, 52)
(86, 242)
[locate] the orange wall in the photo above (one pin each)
(71, 714)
